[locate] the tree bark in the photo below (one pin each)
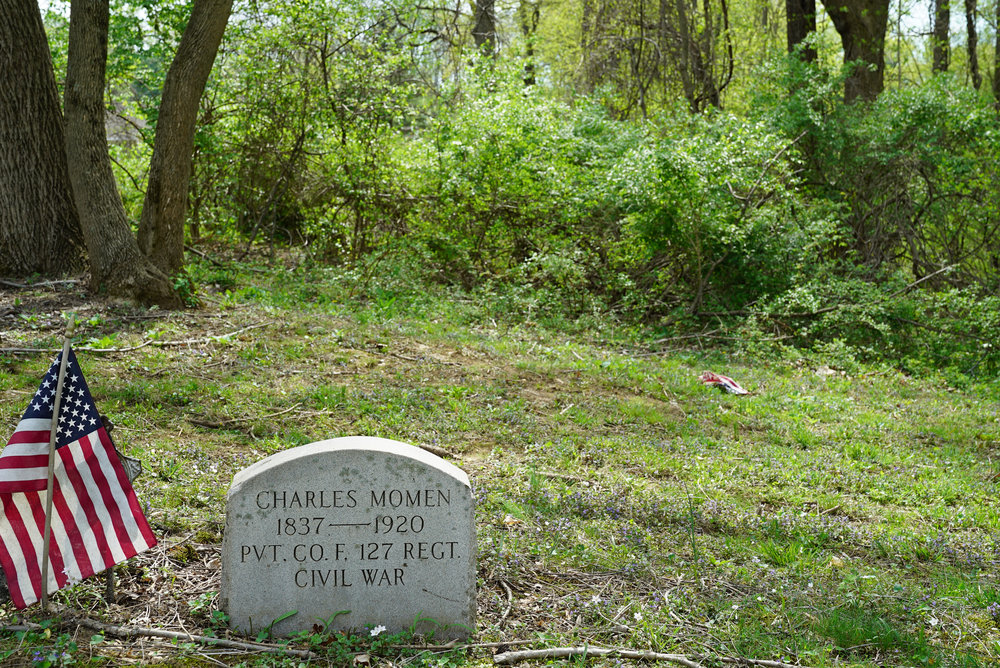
(941, 35)
(161, 229)
(39, 229)
(529, 14)
(801, 23)
(861, 25)
(484, 32)
(996, 62)
(116, 265)
(972, 43)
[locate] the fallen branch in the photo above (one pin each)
(14, 284)
(207, 339)
(510, 602)
(147, 342)
(435, 450)
(564, 476)
(235, 421)
(129, 631)
(132, 631)
(508, 658)
(204, 256)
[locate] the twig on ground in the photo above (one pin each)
(235, 421)
(408, 358)
(148, 342)
(132, 631)
(204, 256)
(565, 476)
(39, 284)
(510, 602)
(210, 339)
(475, 645)
(508, 658)
(435, 450)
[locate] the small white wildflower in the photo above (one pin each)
(638, 616)
(933, 621)
(377, 630)
(595, 599)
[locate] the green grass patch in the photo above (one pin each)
(826, 520)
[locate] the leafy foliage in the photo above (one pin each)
(366, 134)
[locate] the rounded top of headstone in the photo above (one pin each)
(347, 445)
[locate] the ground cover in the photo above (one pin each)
(839, 515)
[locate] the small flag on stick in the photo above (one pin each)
(96, 518)
(724, 383)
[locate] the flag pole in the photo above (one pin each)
(70, 326)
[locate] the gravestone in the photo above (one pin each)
(350, 533)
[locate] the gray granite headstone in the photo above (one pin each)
(353, 533)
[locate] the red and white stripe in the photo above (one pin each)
(24, 463)
(97, 521)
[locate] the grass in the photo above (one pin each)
(831, 520)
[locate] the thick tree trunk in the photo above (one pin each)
(861, 25)
(972, 43)
(996, 62)
(39, 230)
(801, 23)
(116, 265)
(941, 35)
(484, 32)
(530, 15)
(161, 229)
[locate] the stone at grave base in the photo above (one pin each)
(350, 533)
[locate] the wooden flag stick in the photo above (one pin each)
(70, 326)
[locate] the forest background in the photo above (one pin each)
(743, 173)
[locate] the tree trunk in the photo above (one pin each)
(941, 36)
(801, 23)
(972, 43)
(116, 265)
(530, 15)
(161, 229)
(996, 62)
(484, 32)
(39, 229)
(861, 25)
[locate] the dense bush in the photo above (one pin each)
(910, 272)
(708, 225)
(863, 232)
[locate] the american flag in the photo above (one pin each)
(724, 383)
(96, 518)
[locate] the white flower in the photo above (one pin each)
(933, 621)
(595, 599)
(377, 630)
(638, 616)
